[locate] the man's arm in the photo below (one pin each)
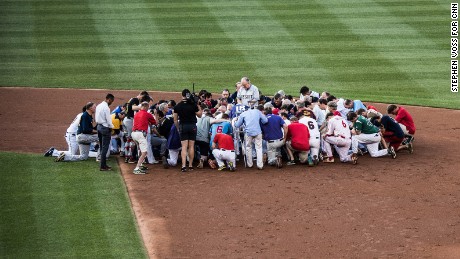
(176, 121)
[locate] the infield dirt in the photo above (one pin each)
(408, 207)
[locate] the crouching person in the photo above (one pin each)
(297, 140)
(174, 147)
(223, 150)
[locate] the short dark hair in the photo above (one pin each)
(331, 98)
(322, 101)
(145, 98)
(110, 96)
(160, 113)
(260, 107)
(348, 102)
(391, 108)
(185, 92)
(268, 111)
(225, 116)
(351, 116)
(304, 89)
(144, 93)
(173, 103)
(329, 114)
(277, 96)
(360, 111)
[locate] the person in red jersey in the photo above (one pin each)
(407, 124)
(297, 140)
(142, 119)
(224, 151)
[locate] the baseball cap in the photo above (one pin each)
(275, 111)
(371, 107)
(337, 113)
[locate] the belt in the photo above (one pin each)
(227, 150)
(271, 141)
(143, 131)
(71, 134)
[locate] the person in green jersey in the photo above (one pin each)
(366, 133)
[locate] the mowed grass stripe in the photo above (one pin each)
(207, 53)
(354, 65)
(139, 54)
(378, 24)
(18, 56)
(60, 40)
(280, 61)
(60, 210)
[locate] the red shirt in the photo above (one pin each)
(224, 141)
(299, 135)
(405, 119)
(142, 119)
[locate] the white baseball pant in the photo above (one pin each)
(341, 145)
(223, 156)
(371, 141)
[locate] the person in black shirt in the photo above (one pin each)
(185, 114)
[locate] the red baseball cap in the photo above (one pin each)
(275, 111)
(337, 113)
(371, 107)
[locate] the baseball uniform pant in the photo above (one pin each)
(315, 144)
(173, 156)
(128, 123)
(341, 145)
(223, 156)
(303, 155)
(104, 135)
(71, 139)
(114, 142)
(273, 150)
(372, 142)
(258, 143)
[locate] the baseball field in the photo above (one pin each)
(54, 53)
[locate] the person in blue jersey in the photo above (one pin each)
(251, 119)
(273, 135)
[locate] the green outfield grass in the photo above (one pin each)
(386, 51)
(63, 210)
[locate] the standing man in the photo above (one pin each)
(185, 114)
(248, 93)
(104, 128)
(251, 120)
(273, 134)
(142, 119)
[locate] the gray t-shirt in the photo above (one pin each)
(202, 128)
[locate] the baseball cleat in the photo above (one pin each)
(391, 151)
(315, 160)
(410, 147)
(354, 158)
(165, 162)
(291, 162)
(279, 162)
(221, 168)
(328, 160)
(60, 157)
(49, 152)
(231, 167)
(200, 164)
(138, 171)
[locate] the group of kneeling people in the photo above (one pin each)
(307, 131)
